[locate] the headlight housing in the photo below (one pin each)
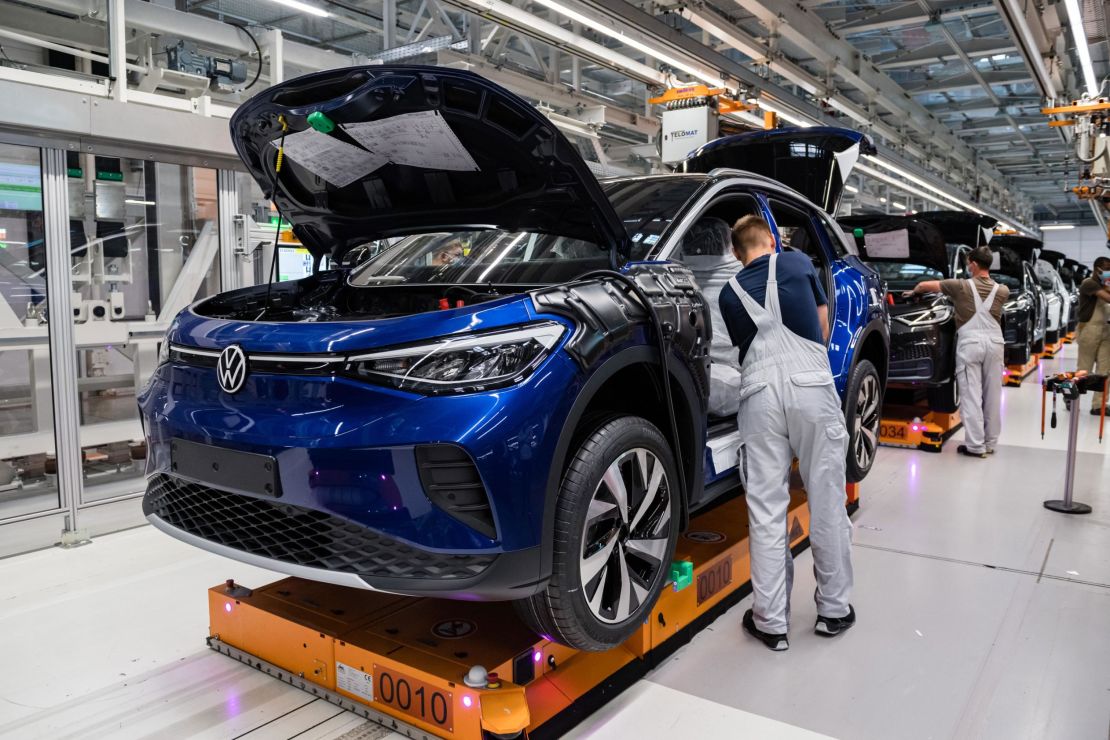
(164, 350)
(931, 316)
(469, 362)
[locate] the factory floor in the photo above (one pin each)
(980, 615)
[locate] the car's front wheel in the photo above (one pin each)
(863, 405)
(616, 524)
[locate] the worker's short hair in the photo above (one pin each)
(749, 231)
(981, 256)
(1102, 263)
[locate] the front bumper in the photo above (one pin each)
(922, 354)
(311, 544)
(351, 453)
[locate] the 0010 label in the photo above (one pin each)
(414, 697)
(354, 681)
(712, 580)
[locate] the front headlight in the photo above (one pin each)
(164, 350)
(466, 363)
(927, 317)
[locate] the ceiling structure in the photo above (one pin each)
(946, 85)
(951, 90)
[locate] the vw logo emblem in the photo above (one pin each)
(231, 368)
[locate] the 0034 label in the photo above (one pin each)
(413, 697)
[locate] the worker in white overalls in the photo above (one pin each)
(979, 350)
(777, 317)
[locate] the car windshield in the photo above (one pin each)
(905, 275)
(647, 207)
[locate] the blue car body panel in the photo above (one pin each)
(348, 449)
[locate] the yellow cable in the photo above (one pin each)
(281, 149)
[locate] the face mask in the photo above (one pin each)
(1106, 275)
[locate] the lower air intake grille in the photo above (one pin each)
(299, 536)
(452, 483)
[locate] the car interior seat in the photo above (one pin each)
(707, 250)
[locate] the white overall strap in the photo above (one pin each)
(772, 299)
(979, 302)
(759, 316)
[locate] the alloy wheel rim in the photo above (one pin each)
(865, 432)
(625, 536)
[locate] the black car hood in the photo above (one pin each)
(927, 243)
(814, 161)
(1054, 258)
(961, 227)
(528, 176)
(1009, 260)
(1026, 248)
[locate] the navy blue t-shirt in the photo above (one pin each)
(800, 293)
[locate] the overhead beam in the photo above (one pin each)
(966, 80)
(909, 15)
(942, 51)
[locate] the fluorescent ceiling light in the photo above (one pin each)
(896, 204)
(305, 7)
(1056, 227)
(592, 21)
(788, 117)
(851, 188)
(1075, 19)
(882, 199)
(136, 202)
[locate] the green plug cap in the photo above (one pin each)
(321, 122)
(857, 232)
(682, 574)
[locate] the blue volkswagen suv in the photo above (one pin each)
(523, 398)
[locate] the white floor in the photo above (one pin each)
(981, 615)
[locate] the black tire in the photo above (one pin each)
(945, 398)
(863, 410)
(565, 610)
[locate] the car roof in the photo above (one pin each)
(722, 173)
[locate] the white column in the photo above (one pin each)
(230, 249)
(63, 352)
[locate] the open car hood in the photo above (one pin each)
(1054, 258)
(400, 149)
(814, 161)
(962, 227)
(1009, 259)
(1078, 270)
(925, 241)
(1024, 247)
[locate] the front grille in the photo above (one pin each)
(914, 351)
(299, 536)
(451, 481)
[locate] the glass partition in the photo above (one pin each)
(145, 245)
(28, 471)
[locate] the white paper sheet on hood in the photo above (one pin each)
(888, 244)
(420, 139)
(333, 160)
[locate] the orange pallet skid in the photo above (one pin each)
(916, 427)
(1012, 375)
(401, 661)
(1051, 350)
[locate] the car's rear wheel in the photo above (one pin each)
(616, 524)
(863, 405)
(945, 398)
